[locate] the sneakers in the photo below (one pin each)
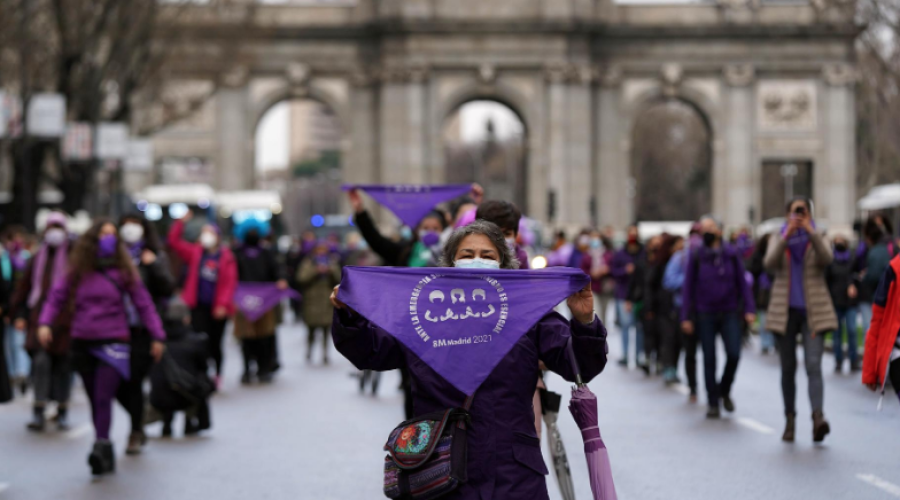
(102, 458)
(713, 413)
(62, 418)
(167, 429)
(623, 363)
(728, 404)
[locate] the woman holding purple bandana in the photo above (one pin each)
(801, 305)
(99, 286)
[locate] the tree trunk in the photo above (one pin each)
(76, 185)
(27, 164)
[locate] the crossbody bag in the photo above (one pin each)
(427, 455)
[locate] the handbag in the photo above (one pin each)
(427, 455)
(183, 382)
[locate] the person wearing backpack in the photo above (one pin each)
(801, 305)
(871, 265)
(714, 295)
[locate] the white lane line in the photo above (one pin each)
(681, 389)
(4, 487)
(755, 425)
(78, 432)
(877, 482)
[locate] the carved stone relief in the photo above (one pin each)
(787, 105)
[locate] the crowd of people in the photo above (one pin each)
(128, 312)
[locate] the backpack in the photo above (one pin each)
(878, 258)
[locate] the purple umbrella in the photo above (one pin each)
(583, 406)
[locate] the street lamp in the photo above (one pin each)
(789, 172)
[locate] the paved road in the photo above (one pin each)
(312, 436)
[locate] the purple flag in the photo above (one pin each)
(460, 322)
(256, 299)
(117, 356)
(411, 202)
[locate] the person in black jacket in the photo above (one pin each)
(647, 298)
(187, 351)
(258, 263)
(152, 264)
(840, 279)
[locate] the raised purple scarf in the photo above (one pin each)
(410, 203)
(60, 267)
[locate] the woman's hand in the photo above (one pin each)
(687, 327)
(148, 257)
(281, 284)
(581, 304)
(45, 336)
(220, 313)
(872, 387)
(852, 292)
(334, 300)
(477, 193)
(20, 324)
(355, 201)
(157, 349)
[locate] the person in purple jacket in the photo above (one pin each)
(712, 296)
(622, 271)
(103, 290)
(504, 453)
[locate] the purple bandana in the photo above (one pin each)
(256, 299)
(460, 322)
(410, 203)
(117, 356)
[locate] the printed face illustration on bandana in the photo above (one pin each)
(444, 309)
(210, 270)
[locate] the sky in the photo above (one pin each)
(273, 134)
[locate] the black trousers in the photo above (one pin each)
(690, 343)
(263, 352)
(670, 340)
(131, 392)
(202, 321)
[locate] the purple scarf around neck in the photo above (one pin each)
(60, 266)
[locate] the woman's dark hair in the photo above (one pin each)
(885, 223)
(872, 231)
(492, 231)
(503, 213)
(83, 260)
(435, 214)
(151, 237)
(763, 245)
(455, 204)
(806, 201)
(667, 247)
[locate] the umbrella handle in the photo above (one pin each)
(578, 380)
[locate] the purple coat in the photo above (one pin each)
(714, 282)
(504, 453)
(618, 269)
(99, 311)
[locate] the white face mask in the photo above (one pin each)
(131, 233)
(208, 240)
(476, 263)
(55, 237)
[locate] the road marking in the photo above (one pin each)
(4, 487)
(877, 482)
(681, 389)
(755, 425)
(78, 432)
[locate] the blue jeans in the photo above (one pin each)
(625, 319)
(865, 312)
(766, 337)
(17, 360)
(729, 326)
(845, 317)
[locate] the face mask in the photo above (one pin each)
(595, 243)
(405, 233)
(106, 246)
(208, 240)
(840, 247)
(632, 240)
(429, 238)
(709, 239)
(511, 244)
(55, 237)
(132, 233)
(477, 263)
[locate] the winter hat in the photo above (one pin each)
(176, 310)
(57, 218)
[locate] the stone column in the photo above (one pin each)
(579, 139)
(611, 172)
(837, 191)
(234, 165)
(361, 165)
(556, 139)
(393, 129)
(417, 126)
(738, 137)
